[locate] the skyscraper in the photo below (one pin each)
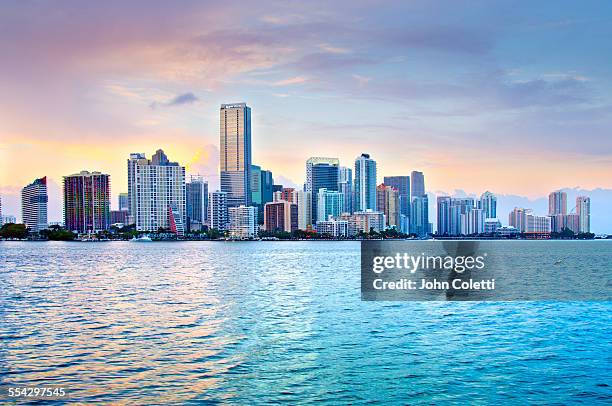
(87, 202)
(388, 201)
(417, 187)
(345, 186)
(365, 183)
(235, 153)
(255, 185)
(217, 211)
(320, 173)
(34, 201)
(444, 215)
(329, 203)
(124, 202)
(402, 185)
(153, 186)
(557, 203)
(419, 218)
(488, 203)
(304, 202)
(583, 210)
(196, 202)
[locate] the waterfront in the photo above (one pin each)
(258, 322)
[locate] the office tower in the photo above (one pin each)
(365, 183)
(583, 210)
(329, 203)
(235, 153)
(217, 211)
(304, 202)
(267, 186)
(87, 202)
(242, 222)
(34, 200)
(320, 173)
(118, 217)
(557, 203)
(444, 204)
(402, 184)
(419, 217)
(333, 227)
(388, 201)
(417, 187)
(196, 192)
(153, 186)
(368, 221)
(488, 203)
(124, 202)
(345, 186)
(256, 185)
(277, 188)
(281, 217)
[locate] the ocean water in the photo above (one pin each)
(267, 322)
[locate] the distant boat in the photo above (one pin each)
(142, 238)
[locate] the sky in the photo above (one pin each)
(511, 97)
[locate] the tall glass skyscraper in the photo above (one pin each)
(34, 200)
(235, 153)
(345, 186)
(365, 183)
(417, 187)
(488, 203)
(402, 184)
(197, 202)
(320, 173)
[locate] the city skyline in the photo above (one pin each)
(462, 92)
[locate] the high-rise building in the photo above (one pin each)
(583, 210)
(402, 185)
(329, 203)
(472, 222)
(345, 186)
(153, 186)
(124, 202)
(488, 203)
(419, 216)
(34, 200)
(526, 222)
(321, 173)
(304, 203)
(557, 203)
(217, 211)
(235, 153)
(365, 183)
(175, 220)
(281, 217)
(444, 215)
(388, 201)
(87, 202)
(285, 194)
(417, 187)
(242, 222)
(256, 185)
(267, 186)
(196, 202)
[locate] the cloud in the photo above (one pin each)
(181, 99)
(291, 81)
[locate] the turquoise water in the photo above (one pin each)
(262, 322)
